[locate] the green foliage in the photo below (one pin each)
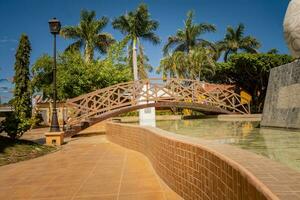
(14, 126)
(88, 34)
(42, 75)
(195, 64)
(19, 121)
(76, 77)
(36, 120)
(22, 92)
(188, 37)
(12, 151)
(273, 51)
(235, 41)
(137, 25)
(250, 72)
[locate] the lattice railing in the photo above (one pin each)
(145, 91)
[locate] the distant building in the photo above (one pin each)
(44, 107)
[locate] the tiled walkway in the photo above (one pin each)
(86, 168)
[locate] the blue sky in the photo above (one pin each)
(262, 18)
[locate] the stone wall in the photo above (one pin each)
(282, 104)
(198, 169)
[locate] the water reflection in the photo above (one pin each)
(277, 144)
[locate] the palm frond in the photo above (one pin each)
(204, 28)
(70, 32)
(122, 24)
(151, 37)
(101, 23)
(88, 34)
(239, 33)
(75, 46)
(188, 37)
(103, 41)
(87, 16)
(172, 41)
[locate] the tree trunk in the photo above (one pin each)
(134, 60)
(89, 53)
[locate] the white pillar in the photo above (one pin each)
(147, 115)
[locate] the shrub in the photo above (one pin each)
(14, 126)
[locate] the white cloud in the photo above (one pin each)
(6, 40)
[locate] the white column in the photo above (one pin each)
(147, 115)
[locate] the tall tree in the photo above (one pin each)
(88, 34)
(137, 25)
(251, 73)
(19, 121)
(192, 65)
(22, 93)
(76, 77)
(188, 37)
(235, 41)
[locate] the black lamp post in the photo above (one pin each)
(54, 26)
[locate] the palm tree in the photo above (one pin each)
(188, 65)
(137, 25)
(173, 65)
(87, 34)
(188, 37)
(201, 61)
(234, 41)
(273, 51)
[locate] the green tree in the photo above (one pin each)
(19, 121)
(88, 34)
(251, 73)
(235, 41)
(76, 77)
(137, 25)
(193, 65)
(22, 92)
(273, 51)
(188, 37)
(42, 75)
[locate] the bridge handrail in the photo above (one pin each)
(217, 96)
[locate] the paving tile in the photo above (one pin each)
(24, 191)
(98, 187)
(6, 192)
(88, 168)
(105, 176)
(140, 186)
(102, 197)
(143, 196)
(130, 176)
(57, 191)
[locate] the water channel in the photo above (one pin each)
(276, 144)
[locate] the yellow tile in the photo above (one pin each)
(140, 186)
(144, 196)
(99, 188)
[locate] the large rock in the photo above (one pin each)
(282, 104)
(291, 27)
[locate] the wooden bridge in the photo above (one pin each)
(102, 104)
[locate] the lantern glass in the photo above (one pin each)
(54, 26)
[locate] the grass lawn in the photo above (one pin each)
(12, 151)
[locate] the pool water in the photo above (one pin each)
(276, 144)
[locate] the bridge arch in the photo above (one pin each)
(124, 97)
